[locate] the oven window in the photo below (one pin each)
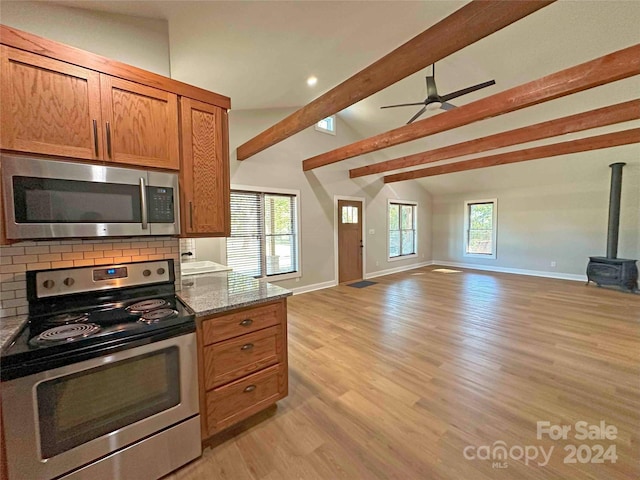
(75, 409)
(46, 200)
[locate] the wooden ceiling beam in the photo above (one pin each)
(609, 68)
(465, 26)
(607, 140)
(599, 117)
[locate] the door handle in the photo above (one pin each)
(109, 139)
(95, 136)
(143, 204)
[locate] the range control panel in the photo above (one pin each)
(51, 283)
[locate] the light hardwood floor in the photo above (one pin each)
(396, 379)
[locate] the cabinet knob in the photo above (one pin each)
(250, 388)
(246, 346)
(246, 322)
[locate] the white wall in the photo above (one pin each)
(563, 221)
(137, 41)
(280, 166)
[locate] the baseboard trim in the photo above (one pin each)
(379, 273)
(516, 271)
(389, 271)
(313, 287)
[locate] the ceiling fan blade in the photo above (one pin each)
(432, 91)
(447, 106)
(404, 105)
(422, 110)
(464, 91)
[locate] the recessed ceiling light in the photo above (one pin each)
(311, 81)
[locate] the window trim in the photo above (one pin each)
(276, 191)
(326, 130)
(397, 201)
(494, 230)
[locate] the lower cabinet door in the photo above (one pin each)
(238, 400)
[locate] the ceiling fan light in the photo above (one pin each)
(434, 106)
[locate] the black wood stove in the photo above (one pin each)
(611, 270)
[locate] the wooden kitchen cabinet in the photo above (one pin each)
(140, 124)
(56, 108)
(243, 364)
(48, 106)
(204, 174)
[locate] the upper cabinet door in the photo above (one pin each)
(48, 106)
(140, 124)
(205, 169)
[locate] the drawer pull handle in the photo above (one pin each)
(247, 346)
(250, 388)
(247, 322)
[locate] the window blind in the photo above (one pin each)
(244, 247)
(264, 234)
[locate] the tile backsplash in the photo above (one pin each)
(18, 258)
(188, 245)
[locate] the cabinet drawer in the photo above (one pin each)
(238, 400)
(239, 323)
(229, 360)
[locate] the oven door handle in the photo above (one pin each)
(143, 204)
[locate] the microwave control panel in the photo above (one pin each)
(161, 207)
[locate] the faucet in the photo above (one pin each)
(186, 254)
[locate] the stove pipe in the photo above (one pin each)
(614, 209)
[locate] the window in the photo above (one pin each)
(480, 220)
(349, 214)
(327, 125)
(264, 234)
(403, 233)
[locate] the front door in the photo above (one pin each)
(349, 240)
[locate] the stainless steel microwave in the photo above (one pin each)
(53, 199)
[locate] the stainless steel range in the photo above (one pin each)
(102, 381)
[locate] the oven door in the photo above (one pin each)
(62, 419)
(52, 199)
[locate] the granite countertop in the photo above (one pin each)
(9, 328)
(212, 293)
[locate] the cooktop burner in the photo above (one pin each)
(147, 305)
(158, 315)
(66, 318)
(67, 333)
(77, 313)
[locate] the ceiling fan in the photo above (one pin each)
(435, 101)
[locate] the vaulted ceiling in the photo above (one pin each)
(260, 54)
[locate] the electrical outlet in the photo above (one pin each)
(553, 263)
